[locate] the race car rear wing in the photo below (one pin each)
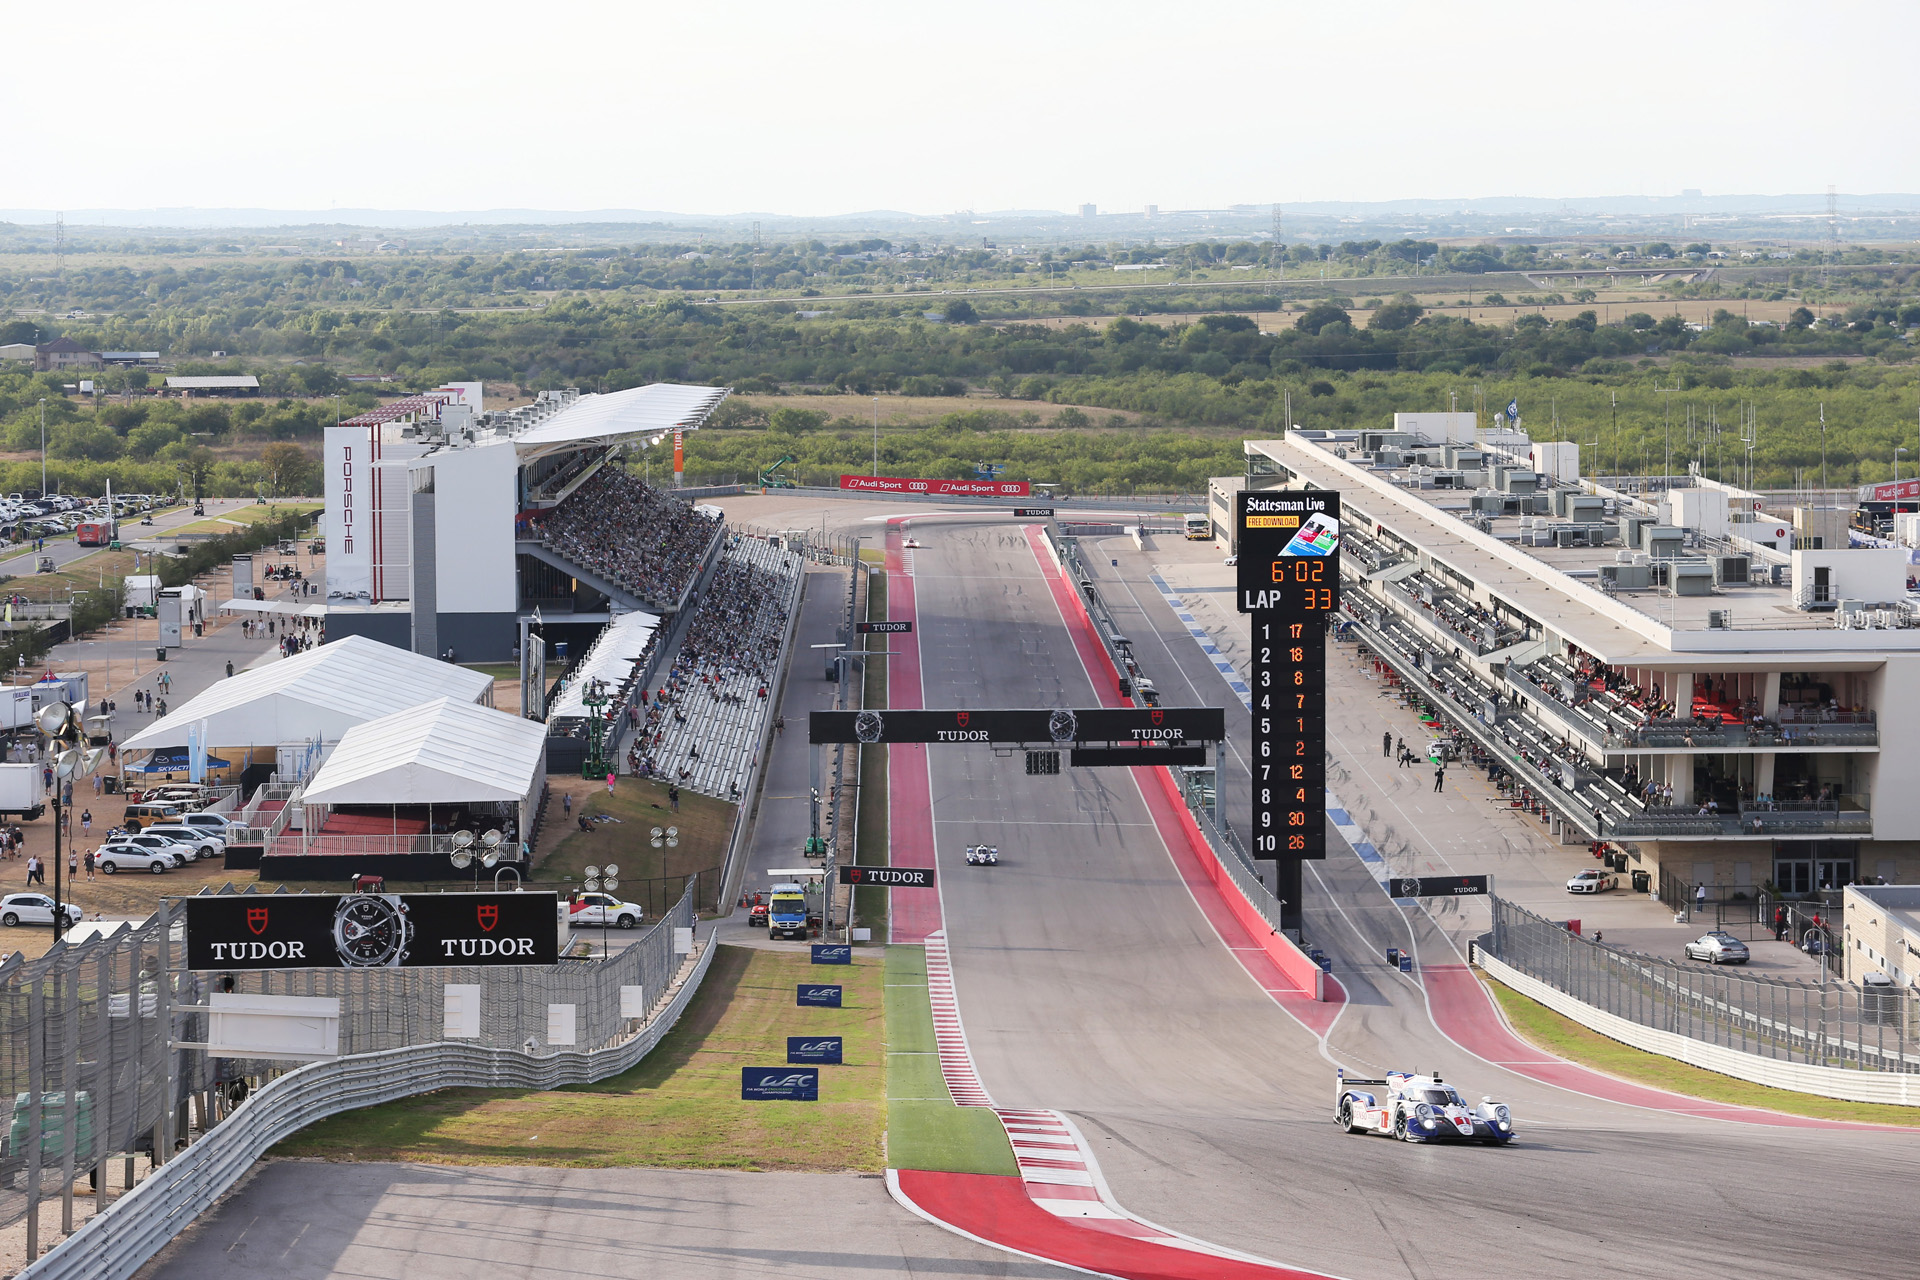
(1342, 1080)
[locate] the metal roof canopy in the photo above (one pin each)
(441, 752)
(316, 695)
(656, 407)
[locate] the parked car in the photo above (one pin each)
(181, 852)
(139, 815)
(1593, 881)
(113, 858)
(34, 908)
(1718, 947)
(204, 843)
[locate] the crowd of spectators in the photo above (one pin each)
(730, 654)
(628, 532)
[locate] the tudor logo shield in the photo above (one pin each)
(489, 913)
(1157, 716)
(962, 717)
(257, 919)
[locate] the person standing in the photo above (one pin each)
(34, 873)
(1439, 774)
(1699, 896)
(88, 860)
(1779, 924)
(86, 822)
(566, 804)
(229, 668)
(1386, 745)
(609, 782)
(673, 798)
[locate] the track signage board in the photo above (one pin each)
(1438, 886)
(832, 953)
(882, 628)
(888, 878)
(780, 1084)
(1172, 726)
(817, 994)
(372, 930)
(1289, 583)
(1033, 513)
(826, 1049)
(947, 488)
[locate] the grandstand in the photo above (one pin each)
(455, 523)
(701, 726)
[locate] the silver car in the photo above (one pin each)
(1717, 948)
(34, 908)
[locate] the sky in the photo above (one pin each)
(733, 106)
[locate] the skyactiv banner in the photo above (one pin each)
(950, 488)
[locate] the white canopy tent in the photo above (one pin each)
(446, 752)
(316, 696)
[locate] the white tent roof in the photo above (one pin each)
(612, 659)
(659, 406)
(445, 751)
(319, 694)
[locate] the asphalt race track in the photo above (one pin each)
(1090, 982)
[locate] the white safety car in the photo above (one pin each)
(1593, 881)
(603, 909)
(983, 855)
(1416, 1108)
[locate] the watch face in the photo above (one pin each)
(371, 930)
(869, 726)
(1063, 727)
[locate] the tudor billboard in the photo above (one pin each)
(372, 930)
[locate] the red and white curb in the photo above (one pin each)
(1057, 1167)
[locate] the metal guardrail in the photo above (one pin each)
(89, 1028)
(118, 1242)
(1830, 1024)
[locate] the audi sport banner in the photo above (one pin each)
(946, 488)
(1167, 726)
(1891, 492)
(372, 930)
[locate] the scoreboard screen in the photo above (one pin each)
(1289, 585)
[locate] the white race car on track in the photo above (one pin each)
(983, 855)
(1593, 882)
(1418, 1108)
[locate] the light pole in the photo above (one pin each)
(66, 734)
(1896, 474)
(876, 436)
(602, 878)
(43, 446)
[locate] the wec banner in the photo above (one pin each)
(372, 930)
(952, 488)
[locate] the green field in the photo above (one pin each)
(1568, 1039)
(680, 1106)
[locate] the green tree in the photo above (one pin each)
(1320, 315)
(289, 470)
(960, 311)
(1401, 313)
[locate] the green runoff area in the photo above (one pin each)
(680, 1106)
(1562, 1036)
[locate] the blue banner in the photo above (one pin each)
(832, 953)
(780, 1084)
(813, 1049)
(825, 997)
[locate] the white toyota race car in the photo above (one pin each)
(1418, 1108)
(983, 855)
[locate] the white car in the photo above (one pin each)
(204, 843)
(131, 857)
(1416, 1108)
(983, 855)
(179, 850)
(1593, 882)
(34, 908)
(604, 908)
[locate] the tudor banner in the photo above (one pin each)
(1060, 727)
(372, 930)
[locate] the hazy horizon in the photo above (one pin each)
(856, 106)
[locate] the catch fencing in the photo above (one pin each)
(88, 1032)
(1832, 1025)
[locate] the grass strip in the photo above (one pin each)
(1566, 1038)
(925, 1129)
(679, 1106)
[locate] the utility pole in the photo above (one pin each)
(43, 446)
(1823, 425)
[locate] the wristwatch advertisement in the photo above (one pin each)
(371, 930)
